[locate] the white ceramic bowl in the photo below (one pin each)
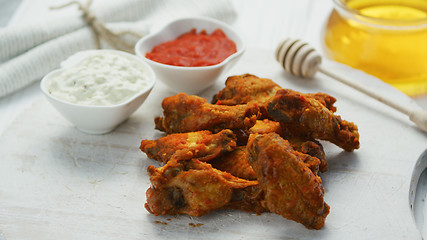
(191, 80)
(97, 119)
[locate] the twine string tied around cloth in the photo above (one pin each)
(100, 30)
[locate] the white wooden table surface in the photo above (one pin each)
(262, 23)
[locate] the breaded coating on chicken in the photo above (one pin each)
(203, 144)
(291, 189)
(308, 118)
(189, 113)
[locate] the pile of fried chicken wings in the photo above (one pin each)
(255, 148)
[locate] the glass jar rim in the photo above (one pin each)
(349, 12)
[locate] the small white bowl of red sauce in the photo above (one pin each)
(190, 54)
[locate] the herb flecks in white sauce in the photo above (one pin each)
(100, 79)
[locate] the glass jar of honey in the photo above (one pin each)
(385, 38)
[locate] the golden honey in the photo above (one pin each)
(385, 38)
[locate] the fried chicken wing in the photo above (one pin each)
(195, 188)
(290, 188)
(203, 144)
(307, 146)
(246, 88)
(188, 113)
(236, 163)
(307, 117)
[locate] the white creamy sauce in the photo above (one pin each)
(100, 79)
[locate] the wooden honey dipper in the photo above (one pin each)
(298, 58)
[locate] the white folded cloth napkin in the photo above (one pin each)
(28, 52)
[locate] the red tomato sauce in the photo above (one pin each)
(194, 50)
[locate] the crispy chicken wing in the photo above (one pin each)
(203, 144)
(303, 145)
(196, 188)
(188, 113)
(236, 163)
(247, 88)
(291, 189)
(308, 118)
(242, 89)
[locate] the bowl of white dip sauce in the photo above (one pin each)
(96, 90)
